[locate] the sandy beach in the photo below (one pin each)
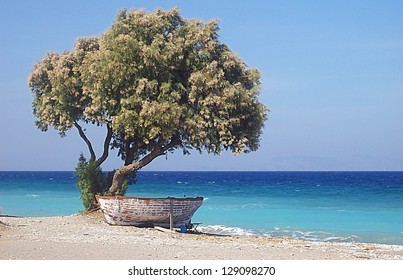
(88, 237)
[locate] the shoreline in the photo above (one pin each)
(88, 237)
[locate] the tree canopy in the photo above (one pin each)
(157, 82)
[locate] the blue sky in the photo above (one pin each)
(332, 75)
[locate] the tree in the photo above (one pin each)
(158, 82)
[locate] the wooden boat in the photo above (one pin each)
(142, 211)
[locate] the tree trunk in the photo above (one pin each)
(122, 173)
(118, 178)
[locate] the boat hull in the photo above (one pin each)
(142, 211)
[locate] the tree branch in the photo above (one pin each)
(86, 140)
(158, 151)
(106, 145)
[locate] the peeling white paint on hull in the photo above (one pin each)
(143, 211)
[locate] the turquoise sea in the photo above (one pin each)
(324, 206)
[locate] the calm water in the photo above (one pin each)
(326, 206)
